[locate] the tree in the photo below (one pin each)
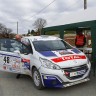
(7, 32)
(39, 24)
(32, 31)
(29, 33)
(4, 31)
(2, 28)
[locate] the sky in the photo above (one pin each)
(25, 12)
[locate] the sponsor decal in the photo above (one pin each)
(47, 53)
(4, 67)
(65, 52)
(17, 60)
(81, 72)
(26, 63)
(10, 62)
(10, 69)
(71, 57)
(16, 66)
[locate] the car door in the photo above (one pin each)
(13, 56)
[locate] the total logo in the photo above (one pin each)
(71, 57)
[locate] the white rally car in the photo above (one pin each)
(50, 61)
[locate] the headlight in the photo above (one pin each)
(48, 64)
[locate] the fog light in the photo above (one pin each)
(45, 77)
(54, 82)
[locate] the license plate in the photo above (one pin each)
(81, 72)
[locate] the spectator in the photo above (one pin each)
(80, 39)
(18, 37)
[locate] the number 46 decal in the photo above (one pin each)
(6, 59)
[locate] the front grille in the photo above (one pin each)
(75, 70)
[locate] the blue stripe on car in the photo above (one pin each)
(47, 53)
(76, 50)
(9, 55)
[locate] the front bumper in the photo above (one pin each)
(54, 81)
(57, 78)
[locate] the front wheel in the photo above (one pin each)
(37, 79)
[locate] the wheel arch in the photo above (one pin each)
(32, 71)
(33, 68)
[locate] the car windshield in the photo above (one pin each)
(51, 45)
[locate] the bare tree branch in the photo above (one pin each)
(5, 31)
(39, 24)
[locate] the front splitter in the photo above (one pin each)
(76, 82)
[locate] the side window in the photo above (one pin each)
(11, 45)
(27, 43)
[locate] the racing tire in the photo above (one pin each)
(37, 79)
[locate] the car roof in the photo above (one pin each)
(42, 37)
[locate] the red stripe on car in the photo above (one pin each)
(71, 57)
(25, 60)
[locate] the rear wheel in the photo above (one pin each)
(37, 79)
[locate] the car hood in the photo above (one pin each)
(65, 58)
